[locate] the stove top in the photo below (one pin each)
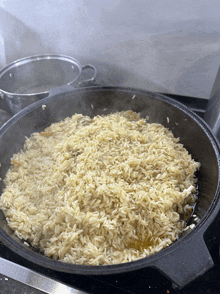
(142, 281)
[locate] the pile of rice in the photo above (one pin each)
(99, 191)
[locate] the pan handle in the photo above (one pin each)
(86, 82)
(187, 262)
(71, 86)
(93, 78)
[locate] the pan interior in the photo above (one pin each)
(194, 136)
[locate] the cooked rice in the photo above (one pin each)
(99, 191)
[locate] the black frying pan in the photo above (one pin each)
(186, 258)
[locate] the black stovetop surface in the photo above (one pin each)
(142, 281)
